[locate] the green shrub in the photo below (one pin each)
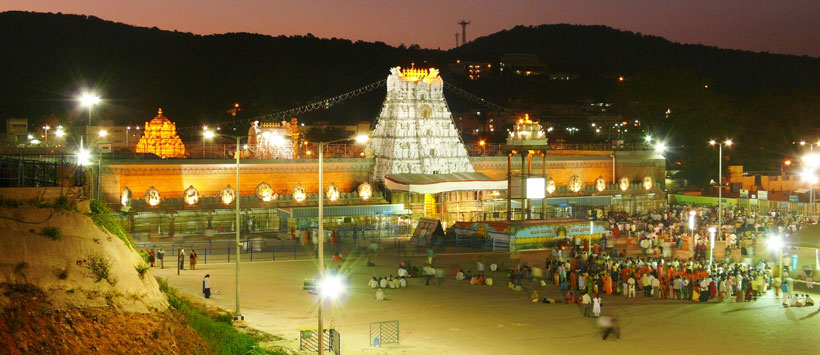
(61, 203)
(217, 330)
(104, 219)
(100, 267)
(142, 268)
(52, 233)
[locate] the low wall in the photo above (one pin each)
(42, 193)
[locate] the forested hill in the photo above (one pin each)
(603, 51)
(47, 57)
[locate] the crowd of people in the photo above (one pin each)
(660, 271)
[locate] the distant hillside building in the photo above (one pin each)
(16, 130)
(522, 64)
(472, 70)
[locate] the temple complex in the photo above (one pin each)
(160, 138)
(275, 140)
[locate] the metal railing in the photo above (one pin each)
(38, 170)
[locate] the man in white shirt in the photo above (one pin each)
(402, 282)
(631, 283)
(403, 272)
(587, 302)
(383, 283)
(379, 295)
(373, 283)
(656, 285)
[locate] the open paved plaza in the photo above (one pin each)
(466, 319)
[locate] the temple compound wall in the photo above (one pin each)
(172, 176)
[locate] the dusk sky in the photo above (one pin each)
(786, 26)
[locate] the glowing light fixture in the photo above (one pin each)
(152, 197)
(575, 183)
(190, 195)
(331, 286)
(600, 184)
(208, 134)
(332, 192)
(775, 242)
(88, 99)
(550, 185)
(365, 191)
(812, 160)
(227, 195)
(299, 193)
(647, 182)
(102, 133)
(660, 148)
(59, 132)
(125, 198)
(362, 138)
(623, 183)
(83, 157)
(264, 192)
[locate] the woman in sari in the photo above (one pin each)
(712, 289)
(607, 284)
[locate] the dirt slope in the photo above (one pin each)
(64, 268)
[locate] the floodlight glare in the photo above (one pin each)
(775, 242)
(362, 138)
(83, 157)
(660, 148)
(331, 286)
(208, 134)
(89, 99)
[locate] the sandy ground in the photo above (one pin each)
(459, 318)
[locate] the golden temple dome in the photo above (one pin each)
(160, 138)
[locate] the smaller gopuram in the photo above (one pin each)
(160, 138)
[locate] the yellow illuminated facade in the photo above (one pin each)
(160, 138)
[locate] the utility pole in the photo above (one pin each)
(456, 39)
(463, 31)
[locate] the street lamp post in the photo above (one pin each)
(711, 246)
(692, 230)
(237, 313)
(811, 162)
(46, 128)
(775, 242)
(321, 254)
(728, 143)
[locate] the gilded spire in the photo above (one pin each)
(159, 112)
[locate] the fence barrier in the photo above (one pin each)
(309, 340)
(386, 332)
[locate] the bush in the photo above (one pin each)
(52, 233)
(61, 203)
(61, 274)
(142, 268)
(104, 219)
(100, 267)
(217, 329)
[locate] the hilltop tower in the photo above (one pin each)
(415, 133)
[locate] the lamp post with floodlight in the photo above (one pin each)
(321, 256)
(727, 143)
(811, 162)
(775, 242)
(208, 135)
(88, 100)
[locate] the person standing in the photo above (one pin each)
(152, 257)
(586, 301)
(631, 282)
(192, 259)
(596, 306)
(206, 286)
(161, 258)
(181, 259)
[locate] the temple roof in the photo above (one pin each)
(159, 119)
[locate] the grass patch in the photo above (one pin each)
(102, 216)
(100, 267)
(216, 329)
(142, 268)
(52, 233)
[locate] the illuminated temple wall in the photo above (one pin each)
(172, 177)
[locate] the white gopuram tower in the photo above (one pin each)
(415, 133)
